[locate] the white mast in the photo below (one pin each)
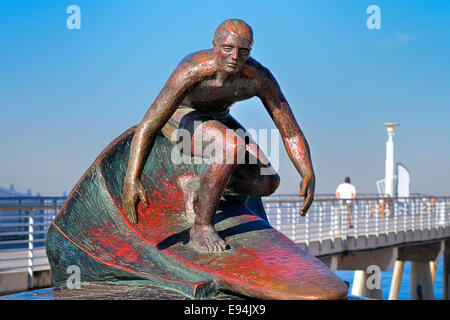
(389, 173)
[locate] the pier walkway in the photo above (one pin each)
(372, 233)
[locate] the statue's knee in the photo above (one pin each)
(234, 150)
(275, 182)
(270, 184)
(226, 147)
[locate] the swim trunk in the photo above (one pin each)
(185, 117)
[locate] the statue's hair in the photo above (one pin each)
(237, 28)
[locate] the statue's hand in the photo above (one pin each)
(307, 187)
(132, 192)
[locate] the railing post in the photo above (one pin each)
(440, 217)
(339, 219)
(292, 213)
(377, 217)
(307, 231)
(30, 247)
(367, 223)
(344, 223)
(278, 216)
(386, 217)
(55, 212)
(405, 215)
(355, 218)
(320, 224)
(422, 209)
(395, 213)
(413, 220)
(334, 217)
(447, 213)
(429, 216)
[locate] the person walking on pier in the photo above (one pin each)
(346, 193)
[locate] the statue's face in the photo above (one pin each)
(231, 52)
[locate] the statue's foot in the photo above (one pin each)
(189, 185)
(207, 239)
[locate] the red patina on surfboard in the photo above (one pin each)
(261, 261)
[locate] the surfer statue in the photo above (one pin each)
(139, 216)
(197, 98)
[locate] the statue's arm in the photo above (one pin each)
(156, 117)
(293, 139)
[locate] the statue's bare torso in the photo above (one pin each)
(211, 95)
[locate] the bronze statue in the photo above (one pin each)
(197, 97)
(97, 229)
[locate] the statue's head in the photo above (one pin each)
(232, 44)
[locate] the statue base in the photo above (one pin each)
(126, 290)
(122, 290)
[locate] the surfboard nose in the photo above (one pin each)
(328, 288)
(274, 267)
(323, 287)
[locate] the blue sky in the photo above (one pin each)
(65, 94)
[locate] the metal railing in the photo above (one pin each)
(24, 223)
(332, 218)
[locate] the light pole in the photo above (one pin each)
(389, 171)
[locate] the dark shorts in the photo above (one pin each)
(189, 118)
(184, 118)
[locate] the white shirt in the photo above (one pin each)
(346, 191)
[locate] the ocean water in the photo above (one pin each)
(386, 277)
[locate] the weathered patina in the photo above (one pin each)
(203, 87)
